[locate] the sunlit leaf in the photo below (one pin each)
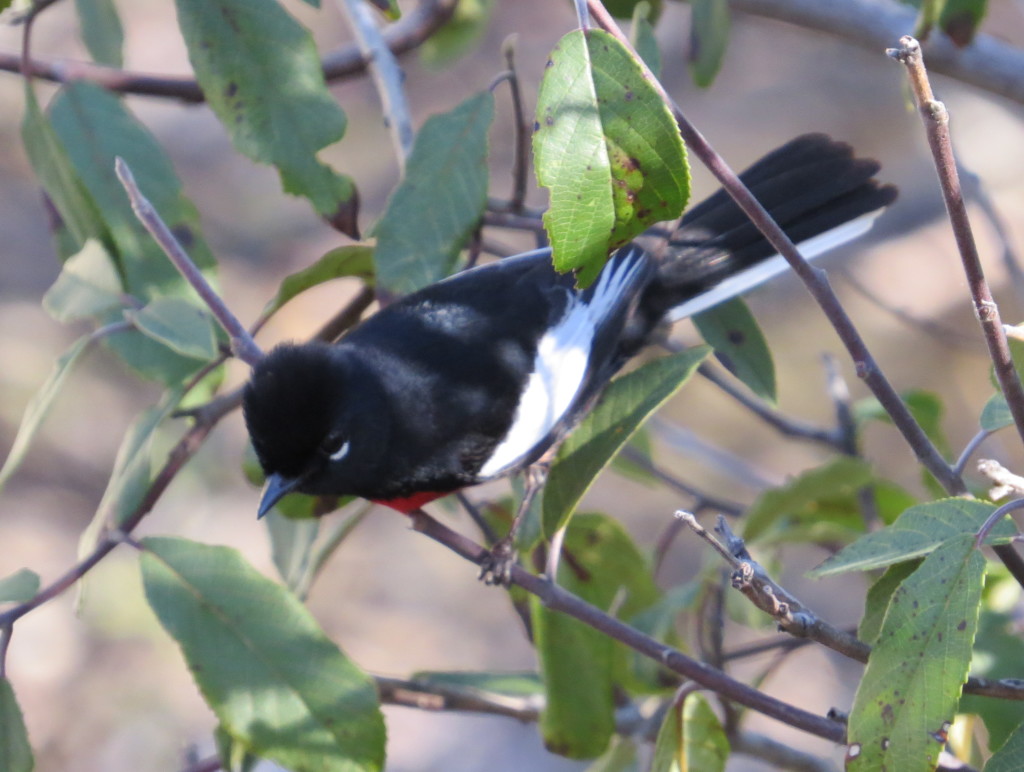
(607, 148)
(277, 684)
(87, 286)
(915, 533)
(691, 738)
(908, 696)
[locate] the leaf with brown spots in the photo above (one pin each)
(912, 684)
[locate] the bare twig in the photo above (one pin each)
(973, 445)
(558, 599)
(785, 425)
(445, 697)
(242, 343)
(386, 75)
(936, 122)
(779, 755)
(988, 63)
(813, 278)
(402, 36)
(521, 146)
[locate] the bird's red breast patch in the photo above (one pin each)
(411, 503)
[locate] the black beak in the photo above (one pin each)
(276, 488)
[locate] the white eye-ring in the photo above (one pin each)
(341, 452)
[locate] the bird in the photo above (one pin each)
(479, 376)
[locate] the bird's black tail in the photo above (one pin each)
(813, 186)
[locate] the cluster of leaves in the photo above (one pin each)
(608, 150)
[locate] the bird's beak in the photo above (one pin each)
(274, 490)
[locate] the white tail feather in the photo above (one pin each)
(770, 267)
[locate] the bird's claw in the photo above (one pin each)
(496, 567)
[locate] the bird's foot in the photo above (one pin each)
(496, 567)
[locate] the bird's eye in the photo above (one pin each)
(336, 451)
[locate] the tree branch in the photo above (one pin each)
(402, 36)
(987, 63)
(813, 278)
(558, 599)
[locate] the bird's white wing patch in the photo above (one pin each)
(561, 364)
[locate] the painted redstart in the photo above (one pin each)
(477, 376)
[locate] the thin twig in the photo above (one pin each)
(935, 118)
(785, 425)
(813, 278)
(936, 123)
(404, 35)
(779, 755)
(242, 343)
(558, 599)
(973, 445)
(521, 144)
(387, 76)
(995, 65)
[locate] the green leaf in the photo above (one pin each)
(908, 696)
(915, 533)
(79, 213)
(427, 223)
(996, 414)
(512, 684)
(998, 652)
(960, 19)
(179, 325)
(608, 149)
(351, 260)
(96, 128)
(806, 496)
(19, 586)
(260, 72)
(621, 756)
(1008, 757)
(132, 475)
(101, 31)
(14, 746)
(458, 36)
(87, 285)
(291, 547)
(578, 664)
(691, 738)
(277, 684)
(623, 408)
(879, 594)
(39, 407)
(739, 345)
(624, 9)
(641, 36)
(709, 38)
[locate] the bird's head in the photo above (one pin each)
(296, 412)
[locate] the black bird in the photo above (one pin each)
(477, 376)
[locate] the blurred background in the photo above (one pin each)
(103, 688)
